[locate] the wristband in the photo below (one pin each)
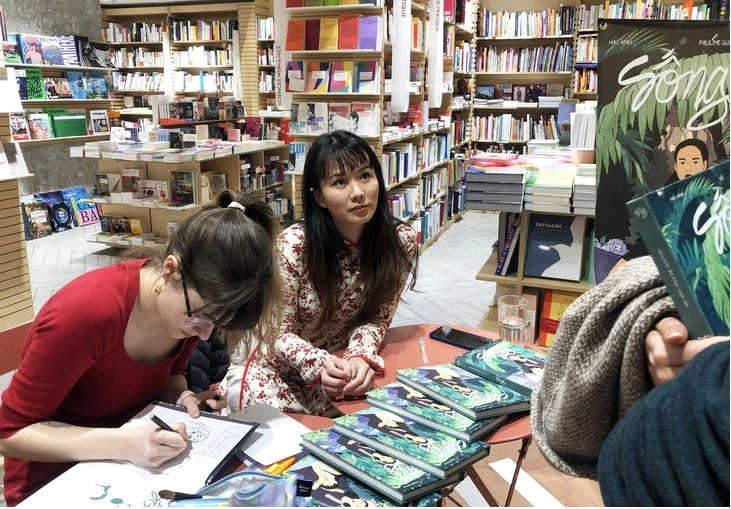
(184, 395)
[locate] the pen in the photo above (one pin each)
(280, 466)
(422, 347)
(161, 423)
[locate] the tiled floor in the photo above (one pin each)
(446, 291)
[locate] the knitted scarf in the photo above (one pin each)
(596, 368)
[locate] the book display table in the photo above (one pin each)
(401, 350)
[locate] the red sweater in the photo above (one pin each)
(74, 368)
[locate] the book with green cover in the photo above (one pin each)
(424, 447)
(331, 488)
(395, 479)
(466, 392)
(34, 84)
(685, 228)
(416, 406)
(505, 363)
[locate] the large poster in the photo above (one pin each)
(663, 116)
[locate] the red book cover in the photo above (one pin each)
(295, 3)
(348, 37)
(296, 35)
(312, 34)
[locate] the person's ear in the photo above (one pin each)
(317, 195)
(170, 266)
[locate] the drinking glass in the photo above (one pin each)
(512, 322)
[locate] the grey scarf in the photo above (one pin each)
(596, 368)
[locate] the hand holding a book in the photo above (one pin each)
(150, 446)
(362, 380)
(668, 349)
(334, 376)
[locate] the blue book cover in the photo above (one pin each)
(395, 479)
(76, 83)
(466, 392)
(424, 447)
(685, 226)
(332, 488)
(95, 86)
(555, 246)
(51, 50)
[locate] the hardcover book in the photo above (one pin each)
(317, 117)
(36, 220)
(295, 79)
(333, 488)
(18, 127)
(295, 35)
(298, 118)
(426, 448)
(416, 406)
(22, 84)
(40, 126)
(365, 119)
(366, 77)
(57, 88)
(685, 227)
(555, 304)
(30, 48)
(97, 54)
(99, 121)
(466, 392)
(34, 84)
(368, 32)
(76, 84)
(312, 34)
(67, 44)
(395, 479)
(51, 50)
(341, 77)
(555, 246)
(328, 34)
(95, 86)
(513, 366)
(348, 26)
(183, 187)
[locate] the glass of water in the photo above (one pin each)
(511, 310)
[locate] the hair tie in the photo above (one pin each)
(237, 205)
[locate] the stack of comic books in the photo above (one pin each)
(423, 430)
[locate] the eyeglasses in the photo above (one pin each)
(195, 321)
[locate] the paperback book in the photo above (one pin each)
(331, 488)
(513, 366)
(466, 392)
(416, 406)
(424, 447)
(685, 227)
(395, 479)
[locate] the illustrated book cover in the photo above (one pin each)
(416, 406)
(397, 480)
(424, 447)
(466, 392)
(555, 246)
(686, 228)
(516, 367)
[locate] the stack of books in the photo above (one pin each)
(422, 431)
(497, 189)
(549, 191)
(584, 201)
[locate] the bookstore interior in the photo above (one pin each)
(492, 109)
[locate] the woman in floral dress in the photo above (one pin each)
(344, 268)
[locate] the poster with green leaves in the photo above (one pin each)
(663, 116)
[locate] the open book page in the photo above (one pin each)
(211, 440)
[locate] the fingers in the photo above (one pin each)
(672, 330)
(176, 440)
(339, 368)
(217, 404)
(191, 405)
(362, 378)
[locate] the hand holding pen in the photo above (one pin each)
(150, 447)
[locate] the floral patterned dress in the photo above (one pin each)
(288, 377)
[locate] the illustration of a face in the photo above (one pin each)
(689, 161)
(353, 502)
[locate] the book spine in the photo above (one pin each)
(506, 247)
(675, 282)
(492, 377)
(419, 419)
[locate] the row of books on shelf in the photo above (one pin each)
(520, 93)
(507, 127)
(307, 76)
(138, 81)
(315, 118)
(556, 58)
(204, 81)
(57, 211)
(181, 190)
(177, 111)
(536, 24)
(587, 48)
(160, 151)
(137, 57)
(319, 3)
(203, 56)
(403, 201)
(417, 31)
(182, 30)
(33, 86)
(134, 32)
(422, 430)
(651, 9)
(431, 219)
(346, 32)
(265, 55)
(64, 49)
(463, 56)
(586, 81)
(264, 28)
(57, 123)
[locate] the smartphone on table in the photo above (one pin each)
(459, 338)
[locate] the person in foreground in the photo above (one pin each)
(343, 271)
(611, 397)
(115, 339)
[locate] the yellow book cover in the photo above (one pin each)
(328, 34)
(555, 304)
(135, 226)
(349, 2)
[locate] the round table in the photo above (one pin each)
(400, 350)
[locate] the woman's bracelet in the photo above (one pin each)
(184, 395)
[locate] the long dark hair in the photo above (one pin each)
(384, 261)
(227, 255)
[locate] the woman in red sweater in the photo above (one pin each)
(116, 338)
